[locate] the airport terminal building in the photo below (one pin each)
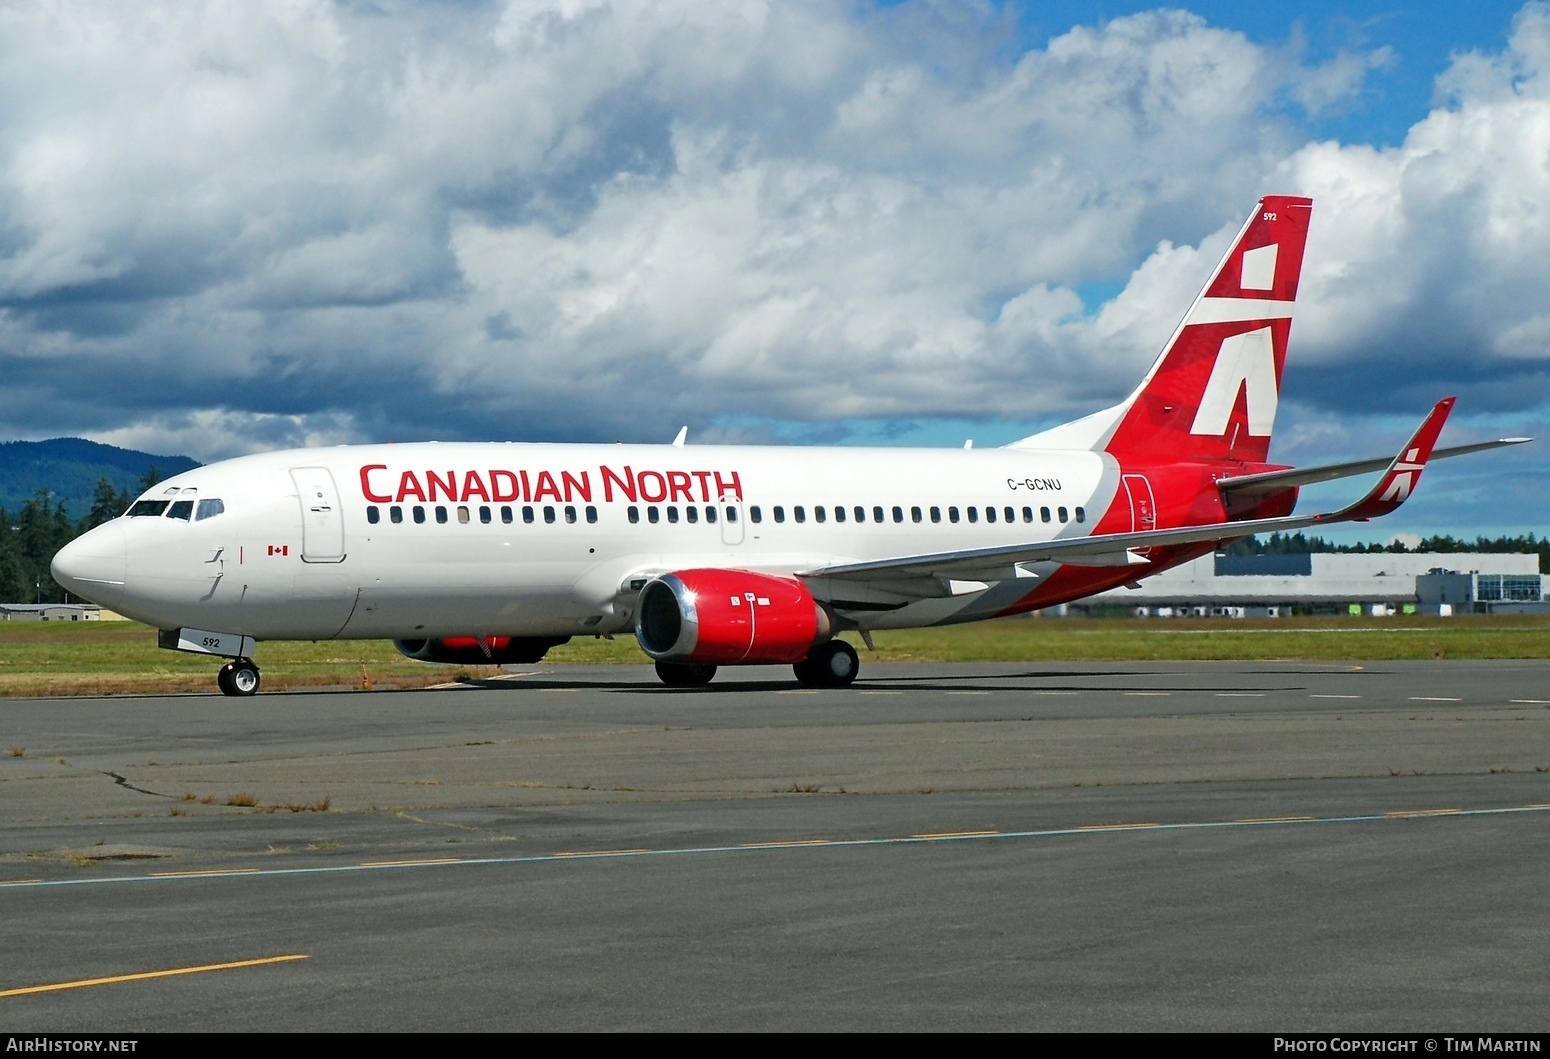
(1373, 583)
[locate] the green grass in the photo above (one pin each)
(95, 658)
(1156, 639)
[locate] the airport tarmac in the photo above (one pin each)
(1248, 846)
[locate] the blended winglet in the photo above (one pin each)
(1404, 471)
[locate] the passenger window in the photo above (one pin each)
(652, 515)
(1027, 514)
(441, 514)
(780, 513)
(799, 513)
(974, 513)
(839, 512)
(819, 513)
(691, 512)
(672, 512)
(877, 514)
(549, 513)
(990, 514)
(632, 513)
(898, 514)
(591, 513)
(1081, 514)
(1011, 514)
(527, 513)
(373, 515)
(419, 513)
(570, 513)
(146, 508)
(395, 514)
(732, 513)
(506, 514)
(860, 513)
(183, 509)
(914, 514)
(211, 508)
(952, 514)
(1062, 513)
(462, 515)
(754, 514)
(710, 512)
(936, 514)
(485, 515)
(1043, 514)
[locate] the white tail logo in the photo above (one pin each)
(1405, 474)
(1245, 363)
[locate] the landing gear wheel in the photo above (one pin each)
(681, 675)
(830, 665)
(239, 678)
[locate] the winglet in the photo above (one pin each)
(1399, 481)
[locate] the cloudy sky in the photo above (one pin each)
(234, 226)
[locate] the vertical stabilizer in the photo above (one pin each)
(1212, 394)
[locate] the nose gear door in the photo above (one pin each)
(322, 523)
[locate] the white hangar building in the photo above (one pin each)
(1379, 583)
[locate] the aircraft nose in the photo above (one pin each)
(93, 565)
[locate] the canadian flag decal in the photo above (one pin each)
(279, 549)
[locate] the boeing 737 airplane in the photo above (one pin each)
(738, 555)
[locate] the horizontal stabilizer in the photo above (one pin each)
(1274, 481)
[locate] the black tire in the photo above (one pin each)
(239, 678)
(684, 675)
(832, 664)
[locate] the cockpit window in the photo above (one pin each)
(208, 509)
(181, 509)
(146, 508)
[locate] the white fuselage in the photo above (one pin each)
(431, 540)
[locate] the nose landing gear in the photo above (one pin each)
(238, 677)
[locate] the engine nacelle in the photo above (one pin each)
(728, 617)
(481, 650)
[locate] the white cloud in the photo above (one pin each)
(249, 224)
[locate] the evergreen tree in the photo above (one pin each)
(107, 504)
(151, 477)
(41, 530)
(14, 587)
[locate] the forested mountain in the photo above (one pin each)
(70, 468)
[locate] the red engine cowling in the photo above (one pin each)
(728, 617)
(481, 650)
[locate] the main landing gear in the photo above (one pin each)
(238, 677)
(684, 675)
(832, 664)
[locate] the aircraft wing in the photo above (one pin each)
(1271, 481)
(1124, 549)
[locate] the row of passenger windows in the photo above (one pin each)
(858, 513)
(692, 513)
(486, 515)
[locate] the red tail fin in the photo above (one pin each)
(1212, 393)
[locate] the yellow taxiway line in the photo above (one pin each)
(143, 975)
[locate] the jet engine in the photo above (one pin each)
(481, 650)
(728, 617)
